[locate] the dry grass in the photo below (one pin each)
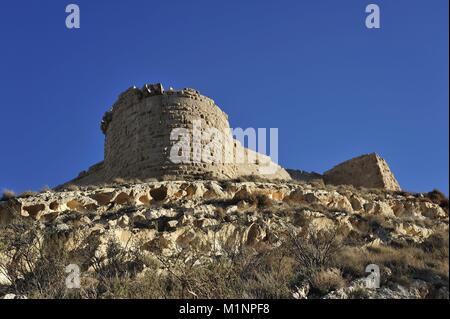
(326, 280)
(39, 273)
(258, 201)
(314, 250)
(427, 261)
(324, 259)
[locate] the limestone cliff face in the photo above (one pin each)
(124, 206)
(210, 219)
(138, 141)
(370, 171)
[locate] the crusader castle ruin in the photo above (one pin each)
(138, 139)
(139, 144)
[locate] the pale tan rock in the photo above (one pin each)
(123, 221)
(357, 202)
(185, 218)
(320, 224)
(378, 208)
(339, 202)
(302, 291)
(432, 210)
(412, 231)
(296, 196)
(253, 234)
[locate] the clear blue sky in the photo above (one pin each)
(311, 68)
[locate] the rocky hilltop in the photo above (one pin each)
(139, 225)
(323, 236)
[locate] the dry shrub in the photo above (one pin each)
(7, 195)
(427, 261)
(258, 200)
(437, 244)
(27, 194)
(242, 274)
(33, 270)
(119, 181)
(166, 178)
(352, 261)
(439, 198)
(120, 261)
(327, 280)
(72, 187)
(358, 293)
(264, 201)
(314, 250)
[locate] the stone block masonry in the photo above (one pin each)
(138, 138)
(370, 171)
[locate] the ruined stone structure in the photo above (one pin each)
(138, 140)
(370, 171)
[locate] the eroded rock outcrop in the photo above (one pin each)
(172, 210)
(211, 219)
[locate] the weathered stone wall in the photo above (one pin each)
(370, 171)
(138, 144)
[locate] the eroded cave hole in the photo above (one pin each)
(144, 199)
(159, 194)
(54, 205)
(102, 198)
(34, 210)
(122, 198)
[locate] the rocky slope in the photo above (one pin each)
(213, 219)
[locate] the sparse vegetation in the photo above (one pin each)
(71, 187)
(323, 259)
(266, 246)
(119, 181)
(7, 194)
(439, 198)
(326, 280)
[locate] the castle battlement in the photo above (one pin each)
(134, 95)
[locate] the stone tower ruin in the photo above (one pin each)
(138, 140)
(368, 170)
